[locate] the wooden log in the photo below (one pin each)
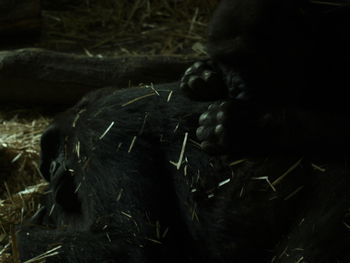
(19, 17)
(36, 76)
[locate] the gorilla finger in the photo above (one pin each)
(213, 106)
(224, 105)
(184, 86)
(194, 68)
(208, 76)
(244, 96)
(204, 133)
(219, 130)
(188, 71)
(197, 65)
(221, 117)
(183, 79)
(207, 118)
(196, 83)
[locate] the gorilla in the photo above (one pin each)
(272, 53)
(128, 182)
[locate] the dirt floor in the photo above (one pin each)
(96, 28)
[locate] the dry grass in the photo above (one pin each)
(20, 183)
(19, 150)
(129, 27)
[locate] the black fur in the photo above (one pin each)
(110, 202)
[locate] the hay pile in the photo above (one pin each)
(20, 183)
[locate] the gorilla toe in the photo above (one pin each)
(203, 82)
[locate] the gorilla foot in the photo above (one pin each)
(238, 126)
(212, 131)
(203, 82)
